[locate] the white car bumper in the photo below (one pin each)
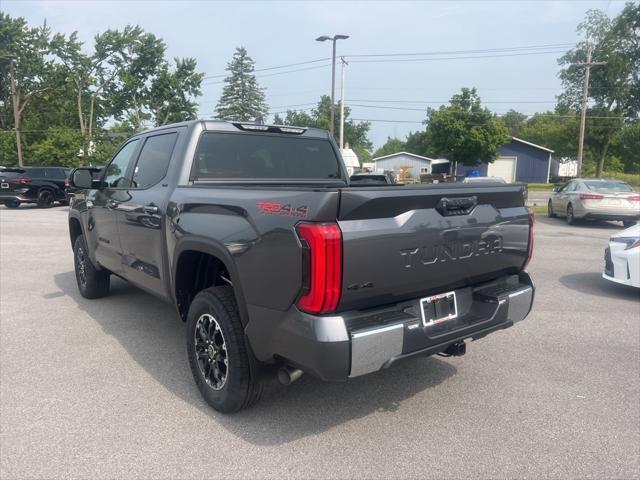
(622, 265)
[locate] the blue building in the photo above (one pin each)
(519, 161)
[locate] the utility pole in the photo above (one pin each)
(585, 99)
(15, 101)
(334, 39)
(344, 69)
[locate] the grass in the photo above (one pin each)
(540, 209)
(540, 187)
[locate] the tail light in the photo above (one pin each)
(66, 182)
(322, 267)
(634, 198)
(532, 221)
(591, 196)
(22, 180)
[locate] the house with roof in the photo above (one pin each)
(519, 161)
(416, 164)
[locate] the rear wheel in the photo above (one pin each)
(571, 220)
(550, 212)
(628, 223)
(219, 357)
(45, 198)
(12, 204)
(92, 283)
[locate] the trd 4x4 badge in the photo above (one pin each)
(283, 209)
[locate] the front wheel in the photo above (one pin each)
(219, 357)
(550, 212)
(12, 204)
(92, 283)
(571, 219)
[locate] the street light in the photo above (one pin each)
(335, 38)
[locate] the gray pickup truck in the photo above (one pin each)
(280, 267)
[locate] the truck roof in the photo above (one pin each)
(251, 127)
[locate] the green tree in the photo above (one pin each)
(614, 87)
(555, 130)
(418, 143)
(30, 49)
(514, 121)
(356, 134)
(464, 131)
(392, 145)
(173, 92)
(242, 98)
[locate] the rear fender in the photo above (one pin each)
(218, 250)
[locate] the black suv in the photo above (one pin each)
(41, 185)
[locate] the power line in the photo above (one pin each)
(456, 52)
(466, 57)
(273, 68)
(278, 73)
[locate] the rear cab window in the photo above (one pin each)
(235, 156)
(605, 187)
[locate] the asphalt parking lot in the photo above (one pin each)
(102, 388)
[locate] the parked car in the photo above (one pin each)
(595, 199)
(41, 185)
(372, 179)
(276, 263)
(622, 257)
(483, 180)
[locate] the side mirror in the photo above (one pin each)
(81, 178)
(556, 189)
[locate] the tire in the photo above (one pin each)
(220, 359)
(45, 198)
(12, 204)
(571, 220)
(550, 213)
(92, 282)
(628, 223)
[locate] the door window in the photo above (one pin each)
(154, 160)
(116, 174)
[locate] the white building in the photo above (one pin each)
(350, 160)
(417, 164)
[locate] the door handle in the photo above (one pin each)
(151, 209)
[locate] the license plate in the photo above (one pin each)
(4, 185)
(613, 203)
(438, 308)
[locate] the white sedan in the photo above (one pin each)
(622, 257)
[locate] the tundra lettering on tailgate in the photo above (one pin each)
(450, 251)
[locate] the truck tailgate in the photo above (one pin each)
(412, 241)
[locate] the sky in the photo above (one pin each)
(393, 95)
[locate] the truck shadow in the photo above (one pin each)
(151, 333)
(592, 283)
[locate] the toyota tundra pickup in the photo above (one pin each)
(280, 267)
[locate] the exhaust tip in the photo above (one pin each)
(288, 375)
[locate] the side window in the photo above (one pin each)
(154, 160)
(54, 173)
(117, 169)
(34, 173)
(573, 186)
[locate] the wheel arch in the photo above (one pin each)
(218, 259)
(75, 229)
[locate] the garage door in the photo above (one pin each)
(503, 167)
